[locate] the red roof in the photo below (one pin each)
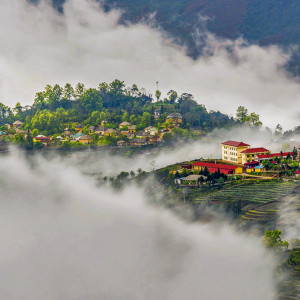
(297, 172)
(222, 171)
(215, 166)
(284, 154)
(250, 163)
(255, 150)
(43, 138)
(235, 144)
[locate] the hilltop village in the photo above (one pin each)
(239, 160)
(126, 134)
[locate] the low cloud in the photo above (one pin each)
(39, 46)
(63, 238)
(208, 147)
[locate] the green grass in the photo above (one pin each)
(260, 193)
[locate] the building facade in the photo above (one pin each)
(231, 151)
(250, 154)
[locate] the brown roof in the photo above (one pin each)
(85, 137)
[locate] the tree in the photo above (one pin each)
(242, 114)
(157, 94)
(117, 87)
(29, 141)
(272, 239)
(68, 92)
(295, 152)
(91, 100)
(18, 109)
(172, 96)
(79, 90)
(254, 121)
(278, 130)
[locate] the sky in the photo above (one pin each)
(39, 46)
(73, 240)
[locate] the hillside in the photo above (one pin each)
(261, 21)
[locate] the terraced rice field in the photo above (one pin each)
(289, 288)
(258, 193)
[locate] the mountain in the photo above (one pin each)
(265, 22)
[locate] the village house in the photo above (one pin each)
(45, 140)
(249, 154)
(110, 132)
(99, 130)
(151, 130)
(79, 128)
(249, 166)
(121, 143)
(231, 151)
(18, 124)
(124, 124)
(138, 142)
(281, 155)
(259, 169)
(297, 174)
(85, 139)
(91, 129)
(175, 117)
(191, 179)
(213, 168)
(132, 128)
(141, 134)
(76, 136)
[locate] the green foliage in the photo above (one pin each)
(272, 239)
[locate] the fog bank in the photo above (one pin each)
(63, 238)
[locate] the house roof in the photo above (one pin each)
(43, 138)
(77, 135)
(125, 124)
(259, 167)
(18, 123)
(215, 166)
(111, 130)
(174, 116)
(297, 172)
(250, 163)
(132, 127)
(85, 137)
(284, 154)
(235, 144)
(255, 150)
(79, 126)
(192, 177)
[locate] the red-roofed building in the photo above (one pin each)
(231, 151)
(45, 140)
(212, 168)
(250, 153)
(297, 174)
(260, 158)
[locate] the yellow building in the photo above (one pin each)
(231, 151)
(85, 139)
(132, 128)
(249, 154)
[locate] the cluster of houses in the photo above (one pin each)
(237, 158)
(150, 135)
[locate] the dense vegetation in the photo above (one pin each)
(58, 107)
